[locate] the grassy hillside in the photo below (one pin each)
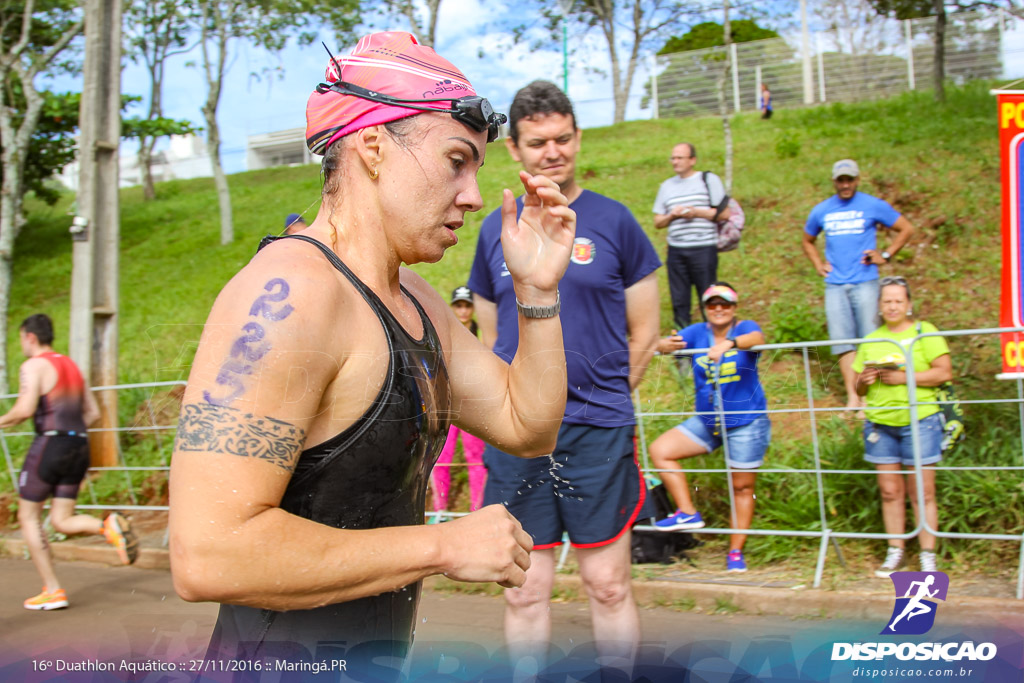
(936, 163)
(939, 165)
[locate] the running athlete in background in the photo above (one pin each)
(53, 393)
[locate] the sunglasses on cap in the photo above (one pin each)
(472, 110)
(892, 280)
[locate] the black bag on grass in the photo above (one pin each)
(661, 547)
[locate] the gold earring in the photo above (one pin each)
(373, 173)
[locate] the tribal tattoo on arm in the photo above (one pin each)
(217, 429)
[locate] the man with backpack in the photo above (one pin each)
(690, 204)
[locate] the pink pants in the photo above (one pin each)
(441, 477)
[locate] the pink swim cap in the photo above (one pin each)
(391, 63)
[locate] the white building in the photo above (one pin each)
(185, 157)
(281, 148)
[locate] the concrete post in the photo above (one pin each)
(735, 77)
(821, 69)
(95, 263)
(654, 86)
(805, 53)
(908, 34)
(757, 87)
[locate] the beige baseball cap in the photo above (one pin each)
(845, 167)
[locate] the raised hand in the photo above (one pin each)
(537, 247)
(486, 545)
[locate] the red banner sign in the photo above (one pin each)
(1011, 152)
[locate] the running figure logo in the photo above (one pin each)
(914, 612)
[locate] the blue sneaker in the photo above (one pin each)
(680, 521)
(735, 563)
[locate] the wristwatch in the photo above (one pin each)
(541, 311)
(886, 255)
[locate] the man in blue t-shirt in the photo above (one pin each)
(849, 219)
(590, 487)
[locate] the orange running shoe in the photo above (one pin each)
(58, 599)
(119, 534)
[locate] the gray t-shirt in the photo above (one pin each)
(676, 191)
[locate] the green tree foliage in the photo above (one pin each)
(711, 34)
(34, 36)
(52, 146)
(904, 9)
(627, 28)
(155, 31)
(686, 86)
(420, 17)
(266, 24)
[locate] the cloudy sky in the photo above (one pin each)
(252, 105)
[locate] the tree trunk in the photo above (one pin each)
(5, 303)
(939, 70)
(8, 221)
(12, 191)
(606, 14)
(220, 180)
(214, 79)
(433, 7)
(145, 161)
(14, 150)
(723, 108)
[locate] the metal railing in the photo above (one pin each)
(813, 410)
(123, 466)
(868, 58)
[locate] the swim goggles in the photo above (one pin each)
(472, 110)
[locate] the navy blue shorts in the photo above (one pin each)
(589, 487)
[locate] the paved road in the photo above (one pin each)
(119, 609)
(127, 612)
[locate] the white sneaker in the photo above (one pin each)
(927, 559)
(893, 560)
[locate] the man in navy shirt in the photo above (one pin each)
(848, 219)
(590, 487)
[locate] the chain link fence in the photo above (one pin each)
(870, 57)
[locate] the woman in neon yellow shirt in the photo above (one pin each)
(888, 444)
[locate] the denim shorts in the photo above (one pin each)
(747, 443)
(885, 445)
(851, 312)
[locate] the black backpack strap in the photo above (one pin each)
(721, 205)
